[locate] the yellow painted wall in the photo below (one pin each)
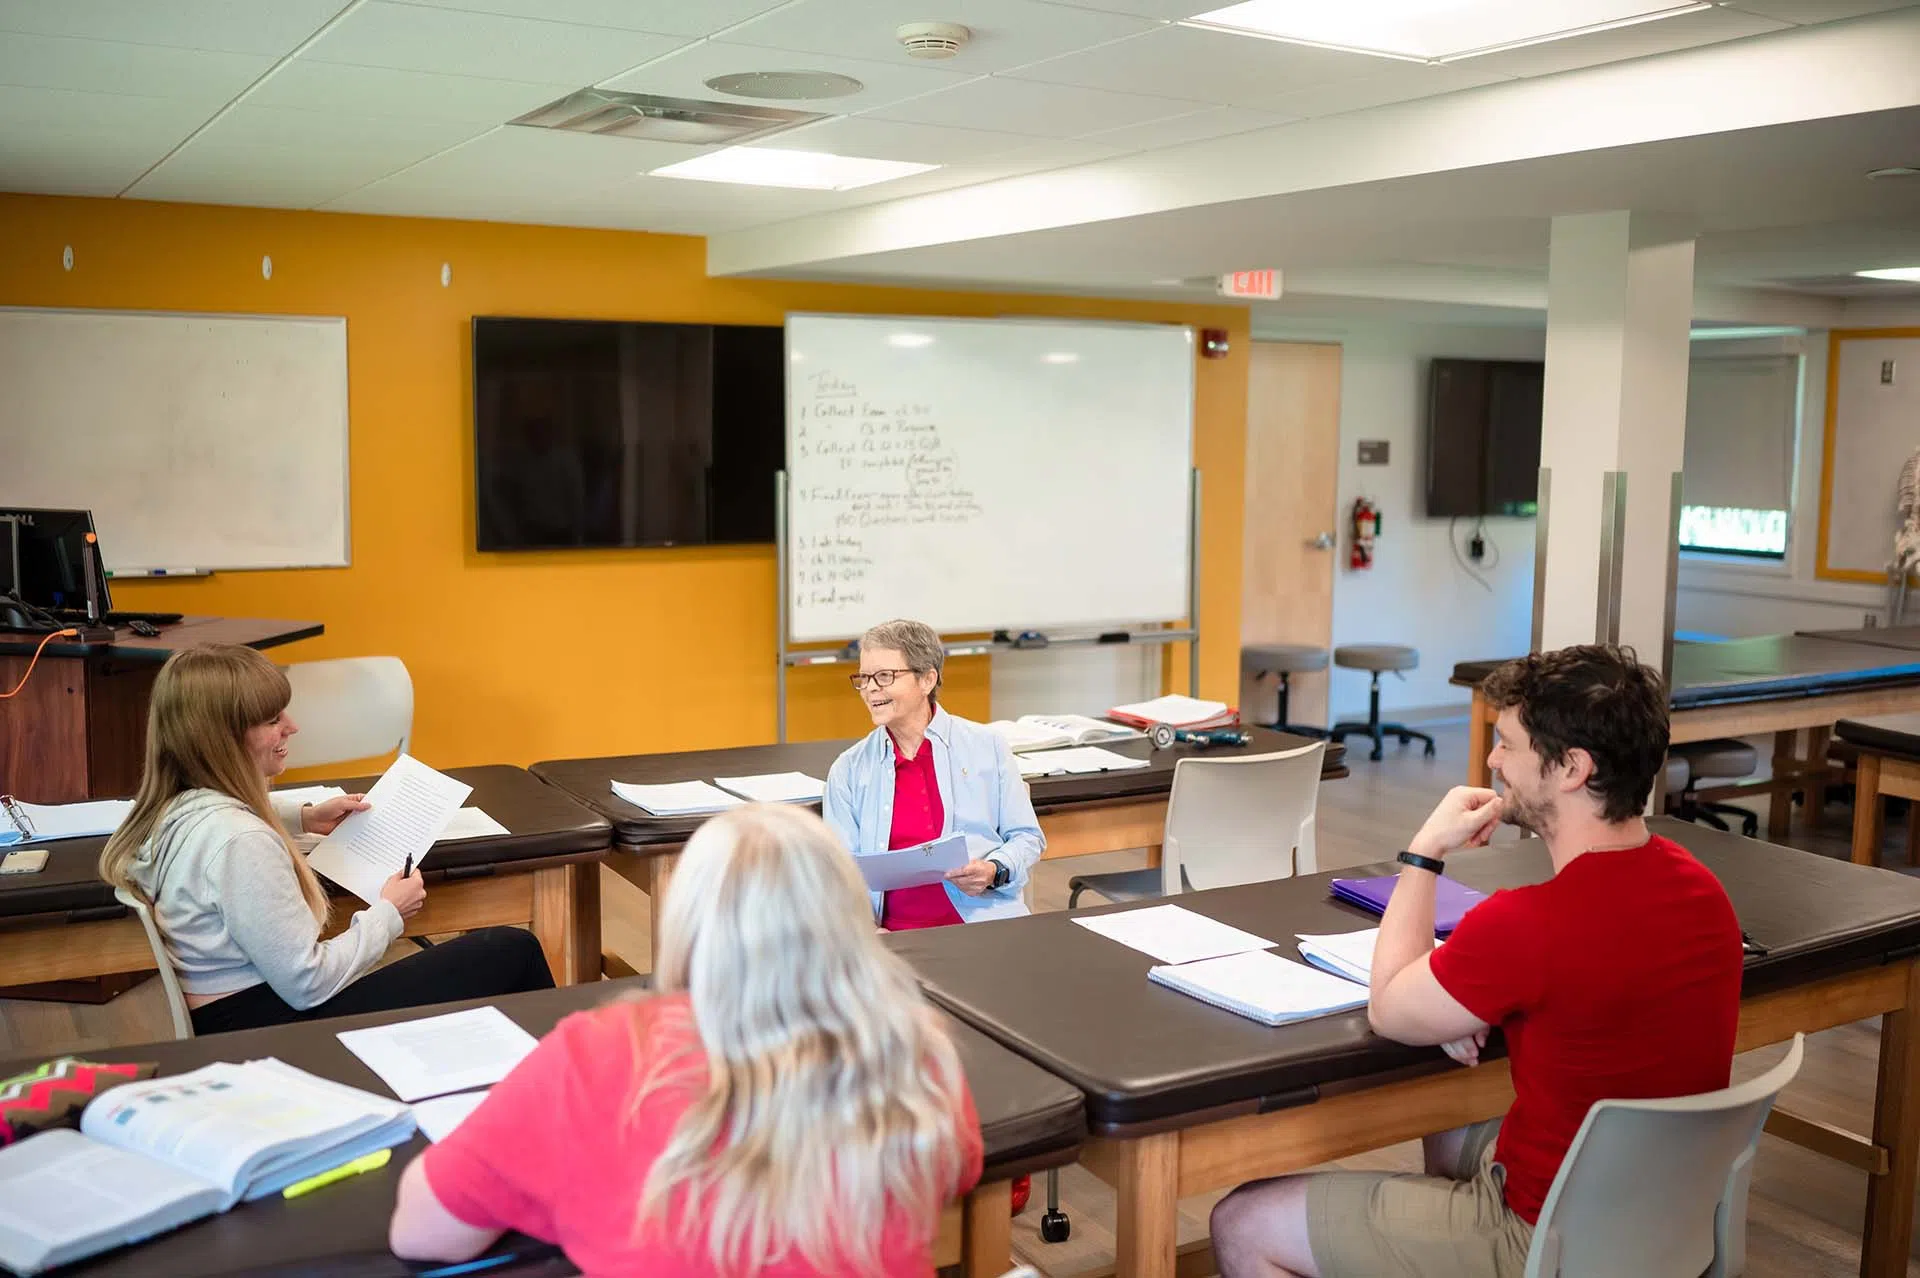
(519, 657)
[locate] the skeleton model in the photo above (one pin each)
(1906, 542)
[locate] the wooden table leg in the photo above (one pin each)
(1869, 812)
(659, 872)
(986, 1239)
(1896, 1127)
(1479, 742)
(1786, 760)
(566, 918)
(1147, 1207)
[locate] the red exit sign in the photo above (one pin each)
(1262, 285)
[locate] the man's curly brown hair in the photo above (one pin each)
(1597, 698)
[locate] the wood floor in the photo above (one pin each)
(1805, 1210)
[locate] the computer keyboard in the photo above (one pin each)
(123, 618)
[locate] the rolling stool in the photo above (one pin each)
(1377, 659)
(1258, 660)
(1727, 759)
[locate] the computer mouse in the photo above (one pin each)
(145, 629)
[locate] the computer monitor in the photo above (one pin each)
(49, 562)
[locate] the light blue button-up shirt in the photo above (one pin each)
(982, 794)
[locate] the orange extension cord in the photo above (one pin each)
(36, 660)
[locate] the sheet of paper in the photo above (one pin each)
(915, 866)
(438, 1117)
(408, 808)
(75, 820)
(439, 1054)
(1032, 765)
(677, 798)
(1084, 759)
(776, 787)
(1348, 954)
(1173, 934)
(304, 794)
(471, 823)
(1265, 986)
(1175, 709)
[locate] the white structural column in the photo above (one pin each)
(1619, 305)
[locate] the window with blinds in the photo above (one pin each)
(1743, 416)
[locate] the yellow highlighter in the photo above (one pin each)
(372, 1162)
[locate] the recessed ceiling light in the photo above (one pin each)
(1423, 31)
(1909, 274)
(1061, 357)
(808, 170)
(786, 86)
(1894, 171)
(909, 341)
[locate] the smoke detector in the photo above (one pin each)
(932, 39)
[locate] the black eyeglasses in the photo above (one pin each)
(878, 678)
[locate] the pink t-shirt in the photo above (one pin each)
(551, 1151)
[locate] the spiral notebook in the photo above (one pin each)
(1262, 986)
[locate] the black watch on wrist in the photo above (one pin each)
(1002, 874)
(1419, 862)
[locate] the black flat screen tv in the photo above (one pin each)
(1483, 437)
(592, 433)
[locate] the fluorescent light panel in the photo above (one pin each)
(1433, 30)
(806, 170)
(1908, 273)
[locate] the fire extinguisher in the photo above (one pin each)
(1366, 526)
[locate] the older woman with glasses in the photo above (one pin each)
(923, 774)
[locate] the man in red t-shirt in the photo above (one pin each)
(1618, 978)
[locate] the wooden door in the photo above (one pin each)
(1292, 536)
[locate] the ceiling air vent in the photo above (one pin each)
(658, 119)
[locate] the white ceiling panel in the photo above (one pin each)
(83, 162)
(684, 75)
(667, 17)
(1811, 11)
(94, 66)
(1165, 10)
(325, 133)
(876, 139)
(335, 86)
(497, 205)
(1643, 39)
(409, 37)
(64, 111)
(1006, 33)
(1207, 66)
(1209, 122)
(226, 26)
(277, 177)
(561, 164)
(1405, 82)
(1040, 110)
(670, 204)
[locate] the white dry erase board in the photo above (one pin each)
(978, 474)
(198, 441)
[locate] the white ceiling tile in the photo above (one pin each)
(684, 75)
(1208, 122)
(1206, 66)
(1406, 82)
(477, 205)
(1815, 11)
(1005, 33)
(75, 163)
(1042, 110)
(189, 75)
(875, 139)
(270, 176)
(1643, 39)
(108, 114)
(330, 132)
(653, 203)
(334, 86)
(563, 164)
(227, 26)
(1164, 10)
(453, 42)
(668, 17)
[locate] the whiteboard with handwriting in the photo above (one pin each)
(986, 474)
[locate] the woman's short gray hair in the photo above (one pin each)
(916, 642)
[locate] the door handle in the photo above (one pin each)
(1323, 542)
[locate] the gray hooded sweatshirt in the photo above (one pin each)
(228, 903)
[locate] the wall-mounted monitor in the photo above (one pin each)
(1483, 437)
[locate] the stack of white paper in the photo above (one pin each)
(407, 809)
(678, 798)
(471, 823)
(304, 794)
(438, 1054)
(776, 787)
(1181, 712)
(1173, 934)
(1348, 954)
(1262, 986)
(1079, 759)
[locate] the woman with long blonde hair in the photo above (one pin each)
(206, 846)
(784, 1103)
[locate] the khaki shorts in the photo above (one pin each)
(1385, 1225)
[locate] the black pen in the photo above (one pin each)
(408, 870)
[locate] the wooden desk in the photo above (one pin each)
(78, 729)
(1080, 815)
(1783, 684)
(1888, 763)
(1212, 1100)
(63, 923)
(1029, 1121)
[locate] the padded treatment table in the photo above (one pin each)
(1739, 687)
(1904, 637)
(63, 924)
(1887, 762)
(1184, 1098)
(1080, 815)
(1029, 1120)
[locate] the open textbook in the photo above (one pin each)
(1045, 731)
(153, 1155)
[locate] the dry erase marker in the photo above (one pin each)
(372, 1162)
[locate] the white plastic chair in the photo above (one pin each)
(163, 961)
(1230, 820)
(351, 708)
(1658, 1188)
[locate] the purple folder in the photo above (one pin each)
(1451, 903)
